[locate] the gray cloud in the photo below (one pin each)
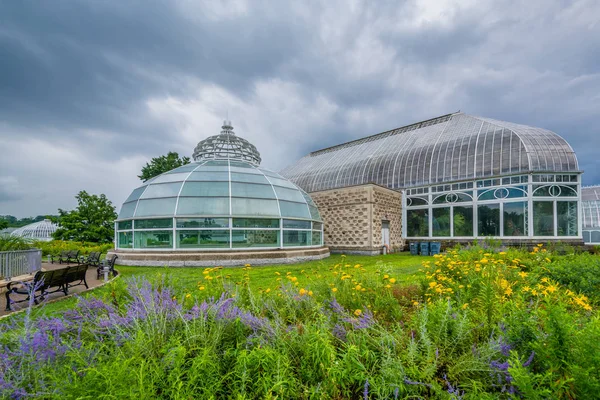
(89, 91)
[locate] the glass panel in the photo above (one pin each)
(458, 197)
(299, 210)
(127, 210)
(252, 190)
(204, 205)
(317, 225)
(296, 238)
(170, 178)
(543, 218)
(515, 218)
(289, 194)
(314, 212)
(417, 223)
(566, 218)
(236, 176)
(255, 238)
(270, 173)
(595, 237)
(125, 240)
(208, 176)
(568, 191)
(441, 221)
(153, 223)
(296, 224)
(202, 239)
(153, 239)
(255, 223)
(125, 225)
(416, 201)
(202, 222)
(316, 238)
(205, 189)
(184, 168)
(463, 221)
(162, 190)
(217, 163)
(282, 182)
(254, 207)
(246, 170)
(136, 194)
(586, 237)
(489, 220)
(158, 207)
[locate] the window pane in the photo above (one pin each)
(125, 240)
(289, 194)
(296, 238)
(317, 225)
(255, 238)
(299, 210)
(125, 225)
(314, 212)
(282, 182)
(417, 223)
(208, 176)
(205, 189)
(543, 218)
(441, 221)
(127, 210)
(184, 168)
(515, 218)
(153, 239)
(246, 170)
(254, 207)
(153, 223)
(252, 190)
(489, 220)
(136, 194)
(255, 223)
(316, 238)
(463, 221)
(202, 222)
(203, 239)
(158, 207)
(170, 178)
(566, 214)
(296, 224)
(204, 205)
(162, 190)
(236, 176)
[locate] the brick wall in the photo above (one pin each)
(352, 217)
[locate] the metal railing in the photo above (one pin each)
(21, 262)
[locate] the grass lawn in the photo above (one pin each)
(401, 266)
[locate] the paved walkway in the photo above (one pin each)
(90, 278)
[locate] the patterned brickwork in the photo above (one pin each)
(353, 216)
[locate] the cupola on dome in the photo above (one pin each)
(223, 199)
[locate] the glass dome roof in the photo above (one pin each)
(219, 188)
(42, 230)
(226, 145)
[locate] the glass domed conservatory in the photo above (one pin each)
(590, 206)
(223, 201)
(41, 231)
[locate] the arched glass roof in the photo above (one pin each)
(42, 230)
(590, 206)
(226, 145)
(219, 188)
(449, 148)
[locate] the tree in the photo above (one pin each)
(91, 221)
(159, 165)
(3, 224)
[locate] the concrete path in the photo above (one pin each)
(90, 278)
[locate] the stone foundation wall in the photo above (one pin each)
(353, 217)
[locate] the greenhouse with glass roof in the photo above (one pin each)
(590, 206)
(461, 177)
(223, 201)
(41, 231)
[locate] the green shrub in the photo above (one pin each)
(580, 273)
(12, 243)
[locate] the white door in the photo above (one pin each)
(385, 232)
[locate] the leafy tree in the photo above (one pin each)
(3, 224)
(91, 221)
(159, 165)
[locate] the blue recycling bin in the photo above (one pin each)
(424, 248)
(414, 248)
(434, 248)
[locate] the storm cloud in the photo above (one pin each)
(90, 91)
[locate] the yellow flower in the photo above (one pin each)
(358, 287)
(547, 259)
(310, 293)
(268, 290)
(393, 280)
(205, 272)
(357, 266)
(357, 312)
(526, 289)
(247, 265)
(386, 276)
(551, 288)
(523, 274)
(464, 306)
(508, 291)
(484, 261)
(334, 289)
(277, 273)
(187, 296)
(388, 286)
(432, 284)
(415, 303)
(302, 292)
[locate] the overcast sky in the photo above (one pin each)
(91, 90)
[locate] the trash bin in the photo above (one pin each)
(434, 248)
(414, 248)
(424, 248)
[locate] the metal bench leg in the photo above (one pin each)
(7, 294)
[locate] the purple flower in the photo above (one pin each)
(453, 390)
(366, 391)
(364, 321)
(339, 332)
(529, 360)
(396, 392)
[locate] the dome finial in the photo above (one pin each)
(226, 146)
(227, 128)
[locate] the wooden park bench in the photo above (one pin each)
(93, 259)
(71, 256)
(47, 282)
